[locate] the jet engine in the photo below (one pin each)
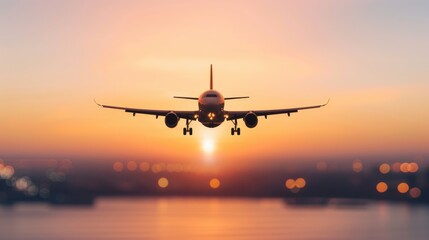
(251, 120)
(171, 119)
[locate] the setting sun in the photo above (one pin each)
(208, 145)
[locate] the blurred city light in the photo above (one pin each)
(357, 166)
(381, 187)
(404, 167)
(6, 172)
(156, 168)
(163, 182)
(214, 183)
(118, 166)
(403, 188)
(132, 166)
(415, 192)
(300, 183)
(144, 166)
(413, 167)
(396, 167)
(384, 168)
(290, 183)
(294, 185)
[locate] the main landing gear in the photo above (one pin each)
(187, 129)
(235, 129)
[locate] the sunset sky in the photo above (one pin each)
(369, 57)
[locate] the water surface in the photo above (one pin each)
(213, 218)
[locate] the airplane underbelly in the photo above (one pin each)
(211, 123)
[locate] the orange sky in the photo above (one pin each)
(369, 57)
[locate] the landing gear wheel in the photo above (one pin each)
(187, 129)
(235, 129)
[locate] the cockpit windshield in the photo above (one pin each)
(211, 95)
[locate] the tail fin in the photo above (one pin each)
(211, 77)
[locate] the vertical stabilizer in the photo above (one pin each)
(211, 77)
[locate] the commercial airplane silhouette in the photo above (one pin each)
(211, 112)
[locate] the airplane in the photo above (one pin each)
(211, 112)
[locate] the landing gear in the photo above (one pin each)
(187, 129)
(235, 129)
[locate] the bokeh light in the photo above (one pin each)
(214, 183)
(163, 182)
(381, 187)
(403, 187)
(413, 167)
(396, 167)
(118, 166)
(404, 167)
(415, 192)
(384, 168)
(6, 172)
(156, 168)
(290, 184)
(22, 183)
(295, 184)
(357, 166)
(144, 166)
(132, 166)
(300, 183)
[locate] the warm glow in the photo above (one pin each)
(300, 183)
(357, 166)
(6, 172)
(290, 183)
(214, 183)
(403, 188)
(384, 168)
(144, 166)
(413, 167)
(139, 54)
(163, 182)
(132, 166)
(295, 184)
(415, 192)
(404, 167)
(396, 167)
(118, 166)
(157, 168)
(208, 146)
(381, 187)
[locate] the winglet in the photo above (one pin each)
(98, 103)
(211, 77)
(326, 103)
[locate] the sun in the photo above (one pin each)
(208, 145)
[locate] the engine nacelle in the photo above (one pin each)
(171, 119)
(251, 120)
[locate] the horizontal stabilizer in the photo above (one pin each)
(231, 98)
(189, 98)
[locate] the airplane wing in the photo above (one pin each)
(232, 115)
(181, 114)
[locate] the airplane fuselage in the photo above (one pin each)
(210, 105)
